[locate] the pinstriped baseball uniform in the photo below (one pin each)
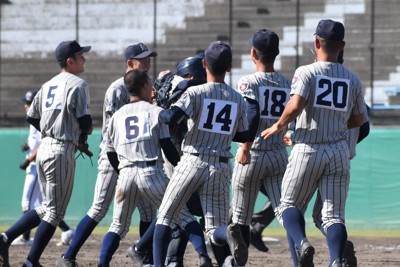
(352, 137)
(116, 96)
(58, 104)
(268, 157)
(134, 133)
(320, 157)
(216, 112)
(31, 196)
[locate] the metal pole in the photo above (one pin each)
(297, 33)
(77, 20)
(372, 50)
(230, 34)
(155, 37)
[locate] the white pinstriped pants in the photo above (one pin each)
(106, 182)
(208, 176)
(266, 168)
(322, 166)
(135, 183)
(56, 169)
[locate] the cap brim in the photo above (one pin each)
(145, 54)
(85, 49)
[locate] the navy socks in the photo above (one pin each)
(336, 237)
(195, 234)
(43, 234)
(109, 245)
(83, 230)
(28, 221)
(162, 236)
(293, 221)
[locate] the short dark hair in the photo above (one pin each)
(330, 46)
(135, 80)
(265, 58)
(63, 63)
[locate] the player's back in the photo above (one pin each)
(115, 97)
(62, 100)
(216, 112)
(272, 91)
(135, 131)
(332, 92)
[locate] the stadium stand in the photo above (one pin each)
(183, 29)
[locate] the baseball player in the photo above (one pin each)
(326, 100)
(266, 93)
(216, 113)
(60, 111)
(169, 88)
(354, 136)
(135, 139)
(137, 56)
(31, 196)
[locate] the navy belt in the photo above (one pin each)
(151, 163)
(221, 159)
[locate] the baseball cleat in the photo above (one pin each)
(236, 244)
(136, 255)
(205, 261)
(256, 240)
(66, 237)
(349, 255)
(61, 262)
(27, 263)
(306, 254)
(336, 263)
(3, 253)
(21, 241)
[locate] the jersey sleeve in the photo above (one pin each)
(359, 105)
(82, 100)
(300, 83)
(243, 124)
(246, 88)
(186, 102)
(108, 137)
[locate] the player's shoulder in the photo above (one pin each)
(116, 85)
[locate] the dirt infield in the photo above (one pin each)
(369, 251)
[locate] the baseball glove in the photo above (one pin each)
(84, 146)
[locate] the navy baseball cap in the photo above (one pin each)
(265, 41)
(138, 51)
(219, 55)
(330, 30)
(68, 48)
(29, 96)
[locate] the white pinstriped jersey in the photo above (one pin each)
(58, 104)
(352, 136)
(333, 93)
(134, 132)
(116, 96)
(216, 112)
(272, 91)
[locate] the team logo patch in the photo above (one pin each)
(243, 87)
(184, 95)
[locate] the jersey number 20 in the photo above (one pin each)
(331, 93)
